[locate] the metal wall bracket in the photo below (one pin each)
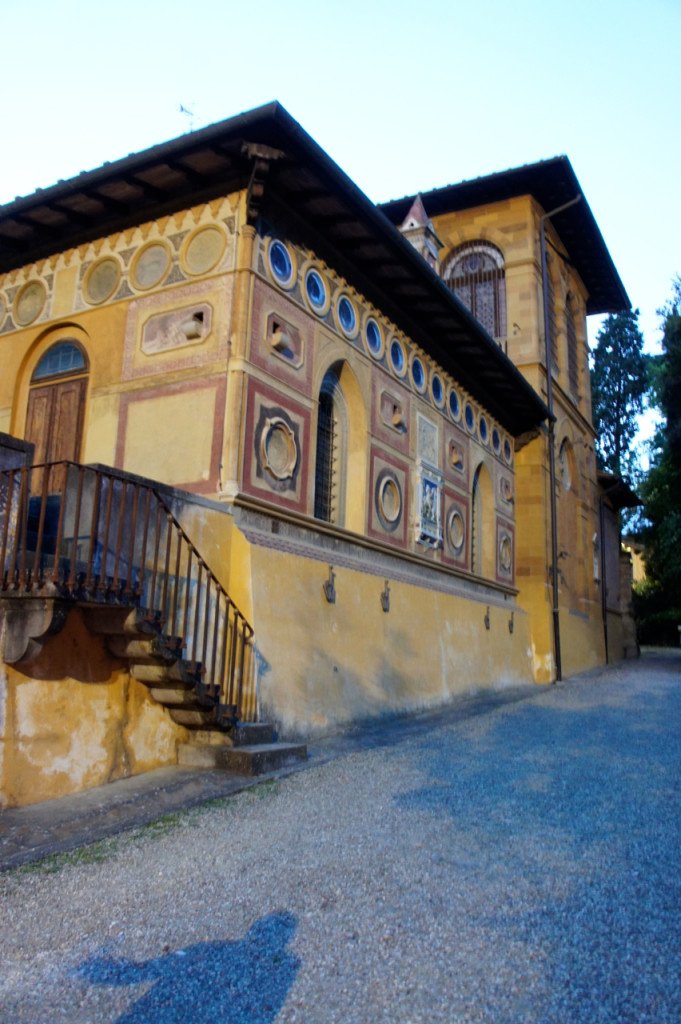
(385, 597)
(487, 620)
(330, 587)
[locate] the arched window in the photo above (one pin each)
(331, 429)
(56, 403)
(340, 486)
(551, 314)
(571, 525)
(572, 353)
(482, 524)
(475, 273)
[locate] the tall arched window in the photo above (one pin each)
(482, 524)
(551, 314)
(475, 272)
(340, 486)
(331, 430)
(571, 528)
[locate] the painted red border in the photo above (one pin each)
(452, 497)
(399, 539)
(256, 389)
(504, 524)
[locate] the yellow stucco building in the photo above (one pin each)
(291, 452)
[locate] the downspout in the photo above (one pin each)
(604, 599)
(551, 433)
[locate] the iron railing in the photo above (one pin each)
(92, 536)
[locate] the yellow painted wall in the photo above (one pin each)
(73, 718)
(351, 660)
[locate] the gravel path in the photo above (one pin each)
(519, 866)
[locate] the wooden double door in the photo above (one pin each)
(54, 420)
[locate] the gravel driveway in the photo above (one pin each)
(518, 866)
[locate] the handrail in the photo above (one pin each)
(89, 535)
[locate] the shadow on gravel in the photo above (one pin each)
(562, 828)
(244, 982)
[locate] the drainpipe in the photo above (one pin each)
(604, 599)
(551, 436)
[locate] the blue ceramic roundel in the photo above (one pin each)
(346, 315)
(316, 289)
(280, 262)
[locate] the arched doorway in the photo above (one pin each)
(341, 450)
(56, 403)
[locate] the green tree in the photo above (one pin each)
(662, 488)
(618, 387)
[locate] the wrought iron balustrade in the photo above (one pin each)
(91, 536)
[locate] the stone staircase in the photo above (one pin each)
(218, 738)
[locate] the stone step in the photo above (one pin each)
(178, 672)
(256, 759)
(112, 620)
(149, 648)
(193, 718)
(176, 697)
(244, 734)
(248, 734)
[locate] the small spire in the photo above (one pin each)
(417, 216)
(418, 228)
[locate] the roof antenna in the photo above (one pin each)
(190, 116)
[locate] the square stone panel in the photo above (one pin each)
(276, 454)
(389, 498)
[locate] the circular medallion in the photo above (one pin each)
(469, 417)
(203, 250)
(102, 280)
(278, 449)
(151, 266)
(455, 531)
(30, 303)
(505, 553)
(454, 405)
(388, 500)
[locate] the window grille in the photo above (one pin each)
(326, 466)
(551, 316)
(62, 360)
(475, 273)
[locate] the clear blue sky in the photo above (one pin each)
(404, 96)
